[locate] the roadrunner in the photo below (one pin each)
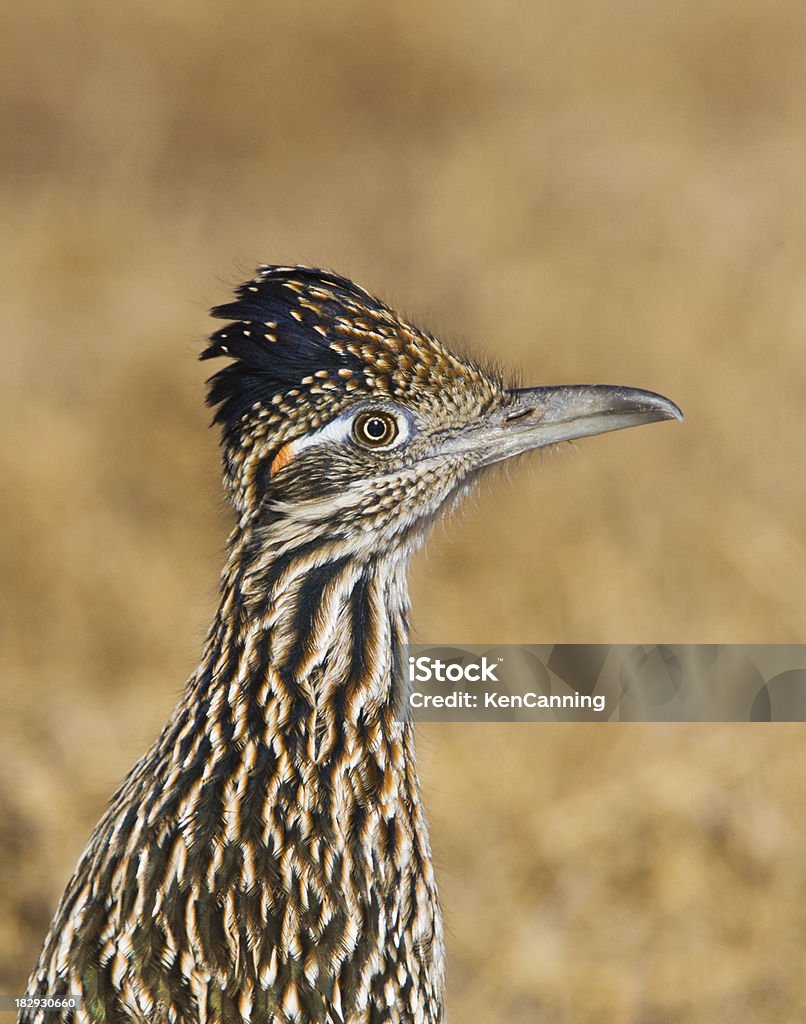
(268, 861)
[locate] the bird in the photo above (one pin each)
(268, 860)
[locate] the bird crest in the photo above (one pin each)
(306, 343)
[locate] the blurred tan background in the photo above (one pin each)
(587, 191)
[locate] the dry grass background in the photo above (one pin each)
(606, 191)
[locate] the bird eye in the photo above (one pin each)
(375, 429)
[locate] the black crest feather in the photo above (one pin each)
(273, 340)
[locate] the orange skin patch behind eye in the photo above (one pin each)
(282, 458)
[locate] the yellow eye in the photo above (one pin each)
(375, 429)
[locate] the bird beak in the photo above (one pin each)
(537, 417)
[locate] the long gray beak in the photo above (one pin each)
(538, 417)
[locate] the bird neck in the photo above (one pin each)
(308, 639)
(274, 833)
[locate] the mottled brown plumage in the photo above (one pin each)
(268, 859)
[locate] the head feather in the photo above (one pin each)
(278, 336)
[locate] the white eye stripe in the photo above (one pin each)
(336, 430)
(340, 430)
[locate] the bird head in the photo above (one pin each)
(338, 416)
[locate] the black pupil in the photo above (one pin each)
(376, 428)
